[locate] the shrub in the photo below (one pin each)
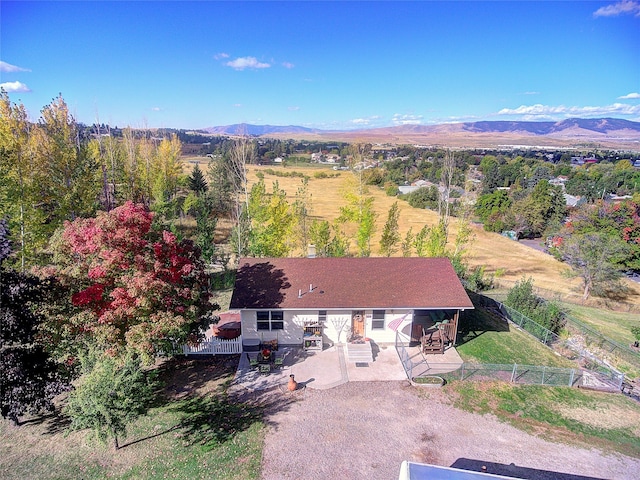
(522, 299)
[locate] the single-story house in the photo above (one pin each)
(311, 302)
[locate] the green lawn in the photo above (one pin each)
(491, 340)
(613, 325)
(195, 432)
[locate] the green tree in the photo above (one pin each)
(196, 180)
(301, 211)
(407, 244)
(320, 236)
(494, 203)
(21, 178)
(420, 241)
(109, 396)
(390, 234)
(595, 258)
(71, 186)
(271, 221)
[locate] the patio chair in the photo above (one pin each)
(253, 362)
(264, 368)
(278, 362)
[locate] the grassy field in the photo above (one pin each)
(562, 414)
(614, 325)
(496, 253)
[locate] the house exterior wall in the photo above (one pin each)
(337, 326)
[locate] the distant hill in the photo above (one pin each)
(606, 132)
(256, 130)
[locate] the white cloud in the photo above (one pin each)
(293, 108)
(629, 96)
(370, 120)
(288, 65)
(7, 67)
(531, 93)
(156, 109)
(549, 111)
(625, 7)
(406, 119)
(221, 55)
(237, 105)
(246, 62)
(14, 87)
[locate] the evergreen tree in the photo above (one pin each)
(197, 182)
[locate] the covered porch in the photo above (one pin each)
(434, 331)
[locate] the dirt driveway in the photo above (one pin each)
(363, 430)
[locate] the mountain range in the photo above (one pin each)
(605, 132)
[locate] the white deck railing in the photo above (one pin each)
(215, 346)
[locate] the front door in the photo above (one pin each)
(357, 324)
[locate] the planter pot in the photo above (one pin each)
(430, 381)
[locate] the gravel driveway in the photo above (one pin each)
(363, 430)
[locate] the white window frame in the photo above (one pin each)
(274, 320)
(377, 321)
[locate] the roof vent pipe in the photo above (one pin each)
(300, 293)
(311, 287)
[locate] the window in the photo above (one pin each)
(270, 320)
(378, 320)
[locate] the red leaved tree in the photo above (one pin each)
(132, 288)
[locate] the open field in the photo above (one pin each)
(496, 253)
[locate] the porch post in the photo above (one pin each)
(455, 327)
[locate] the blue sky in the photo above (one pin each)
(329, 65)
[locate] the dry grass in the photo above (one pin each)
(496, 253)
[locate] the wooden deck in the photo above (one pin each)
(435, 339)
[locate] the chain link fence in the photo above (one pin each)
(592, 373)
(595, 347)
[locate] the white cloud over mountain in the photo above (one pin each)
(549, 111)
(406, 119)
(629, 96)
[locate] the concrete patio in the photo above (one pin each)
(329, 368)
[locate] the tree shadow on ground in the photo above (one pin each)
(185, 376)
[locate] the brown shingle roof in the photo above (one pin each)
(351, 283)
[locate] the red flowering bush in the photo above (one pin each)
(132, 288)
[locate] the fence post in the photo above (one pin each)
(573, 372)
(544, 369)
(462, 372)
(513, 373)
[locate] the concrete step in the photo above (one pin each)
(359, 352)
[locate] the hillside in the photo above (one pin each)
(602, 132)
(513, 260)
